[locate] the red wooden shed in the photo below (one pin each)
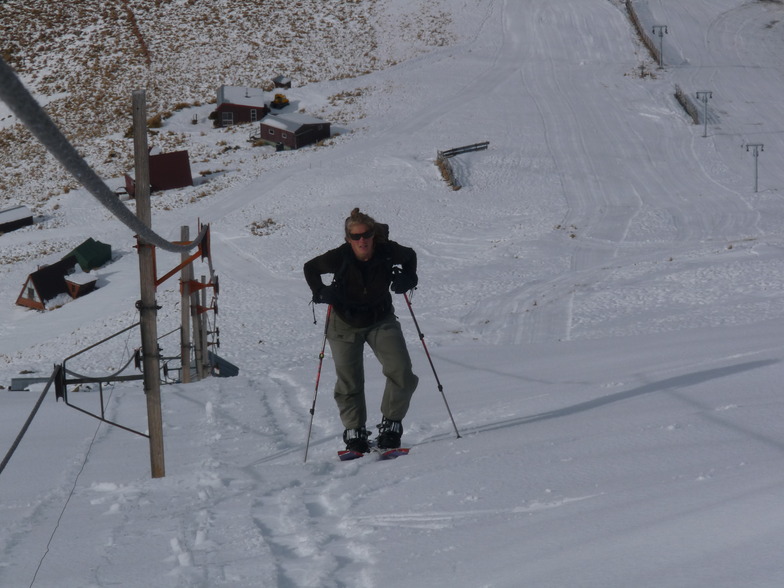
(167, 171)
(239, 104)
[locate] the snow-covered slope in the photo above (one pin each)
(602, 300)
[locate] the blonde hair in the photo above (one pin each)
(360, 218)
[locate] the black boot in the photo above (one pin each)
(389, 434)
(357, 439)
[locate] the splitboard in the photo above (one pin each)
(382, 454)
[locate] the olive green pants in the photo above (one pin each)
(386, 339)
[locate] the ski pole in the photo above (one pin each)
(422, 338)
(318, 378)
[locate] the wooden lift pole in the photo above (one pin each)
(147, 305)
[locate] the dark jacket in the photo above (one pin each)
(361, 287)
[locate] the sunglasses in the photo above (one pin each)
(358, 236)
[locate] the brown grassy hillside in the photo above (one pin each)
(83, 58)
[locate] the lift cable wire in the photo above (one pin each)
(97, 378)
(27, 423)
(65, 505)
(34, 117)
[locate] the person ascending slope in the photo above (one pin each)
(364, 269)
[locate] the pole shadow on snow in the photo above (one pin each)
(672, 384)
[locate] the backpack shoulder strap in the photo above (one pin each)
(338, 275)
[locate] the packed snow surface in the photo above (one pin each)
(602, 300)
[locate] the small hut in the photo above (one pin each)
(167, 171)
(282, 82)
(92, 254)
(294, 130)
(239, 104)
(46, 283)
(80, 283)
(15, 218)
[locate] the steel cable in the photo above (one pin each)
(30, 113)
(107, 378)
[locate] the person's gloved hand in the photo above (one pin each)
(326, 295)
(403, 282)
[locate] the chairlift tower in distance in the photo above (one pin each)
(660, 30)
(755, 149)
(704, 97)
